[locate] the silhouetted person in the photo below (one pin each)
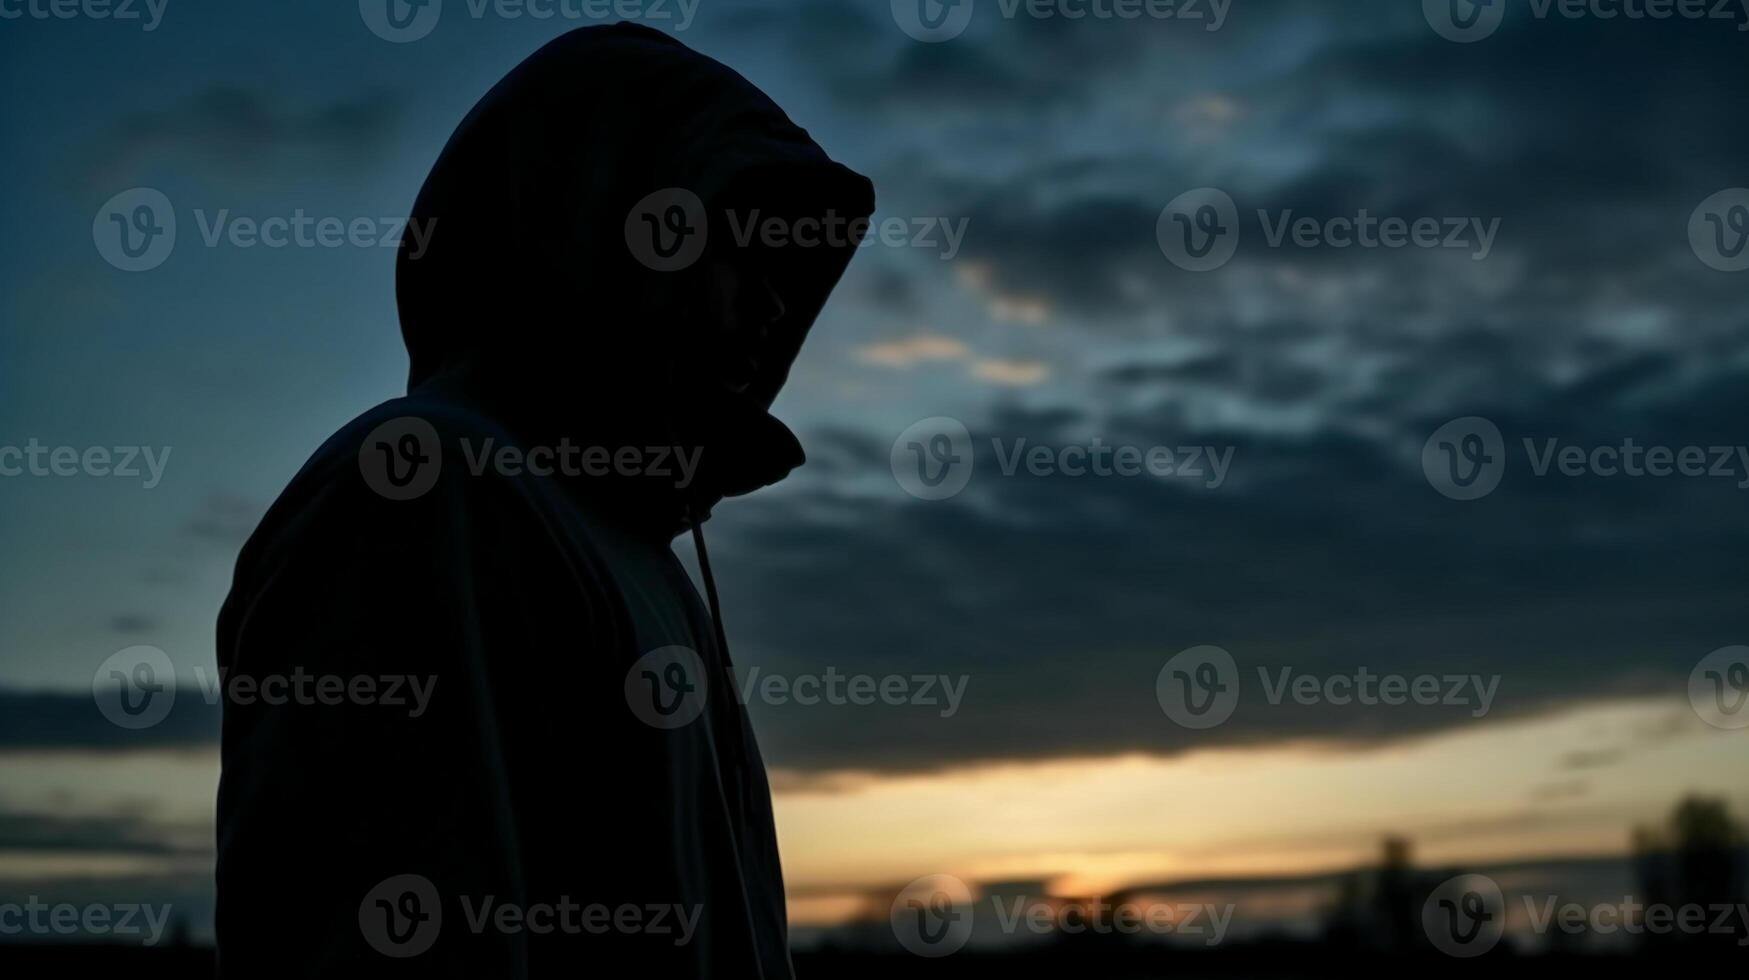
(564, 736)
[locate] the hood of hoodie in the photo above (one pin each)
(531, 275)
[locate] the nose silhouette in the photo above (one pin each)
(771, 308)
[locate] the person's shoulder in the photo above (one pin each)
(405, 449)
(394, 474)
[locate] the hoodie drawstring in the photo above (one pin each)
(738, 739)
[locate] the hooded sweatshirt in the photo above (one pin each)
(478, 722)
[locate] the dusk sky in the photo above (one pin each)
(1574, 156)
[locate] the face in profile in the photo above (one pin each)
(739, 317)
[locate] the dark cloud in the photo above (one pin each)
(1248, 367)
(223, 520)
(133, 624)
(56, 720)
(95, 834)
(880, 285)
(242, 130)
(1060, 598)
(1092, 255)
(1324, 368)
(1392, 120)
(953, 78)
(1020, 66)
